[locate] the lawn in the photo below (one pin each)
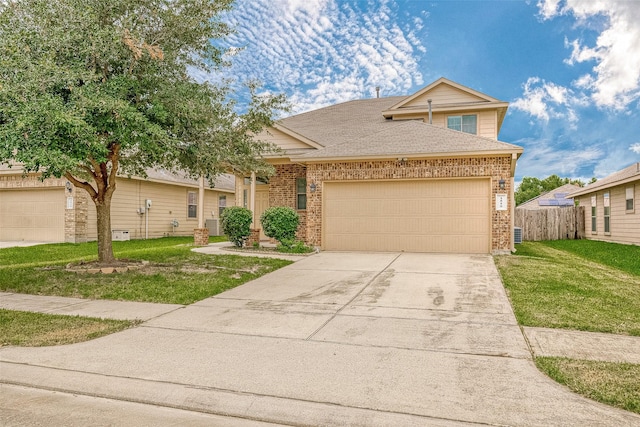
(582, 285)
(35, 329)
(175, 275)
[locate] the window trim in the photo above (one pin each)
(298, 194)
(606, 197)
(221, 206)
(194, 204)
(462, 124)
(627, 190)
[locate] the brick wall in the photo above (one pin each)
(282, 192)
(494, 167)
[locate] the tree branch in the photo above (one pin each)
(82, 184)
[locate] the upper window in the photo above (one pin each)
(607, 213)
(594, 219)
(192, 204)
(468, 123)
(629, 199)
(301, 193)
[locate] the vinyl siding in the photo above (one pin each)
(281, 139)
(487, 121)
(169, 202)
(442, 95)
(625, 227)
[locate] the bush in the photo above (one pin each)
(236, 224)
(280, 223)
(294, 247)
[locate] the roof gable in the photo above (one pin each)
(444, 92)
(629, 174)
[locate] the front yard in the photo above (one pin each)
(582, 285)
(175, 275)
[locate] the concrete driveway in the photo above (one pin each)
(334, 339)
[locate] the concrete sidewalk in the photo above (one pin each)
(333, 339)
(542, 341)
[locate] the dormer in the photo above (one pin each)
(452, 106)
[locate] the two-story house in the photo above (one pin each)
(418, 173)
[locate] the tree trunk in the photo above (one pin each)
(105, 249)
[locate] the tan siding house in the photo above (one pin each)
(54, 211)
(611, 207)
(419, 173)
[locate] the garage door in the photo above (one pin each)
(451, 216)
(32, 215)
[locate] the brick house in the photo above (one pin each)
(418, 173)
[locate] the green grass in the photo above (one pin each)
(35, 329)
(615, 384)
(562, 285)
(622, 257)
(176, 274)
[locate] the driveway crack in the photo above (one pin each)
(353, 299)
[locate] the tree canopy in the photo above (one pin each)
(533, 187)
(91, 88)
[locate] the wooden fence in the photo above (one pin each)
(566, 223)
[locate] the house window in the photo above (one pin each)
(222, 204)
(245, 197)
(192, 204)
(629, 199)
(607, 213)
(593, 215)
(301, 193)
(467, 123)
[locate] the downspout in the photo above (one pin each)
(430, 114)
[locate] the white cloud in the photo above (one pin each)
(635, 147)
(542, 158)
(545, 100)
(614, 80)
(321, 52)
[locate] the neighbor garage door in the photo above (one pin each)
(450, 216)
(32, 215)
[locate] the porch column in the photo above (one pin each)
(252, 199)
(201, 234)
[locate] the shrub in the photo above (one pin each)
(295, 247)
(236, 224)
(281, 223)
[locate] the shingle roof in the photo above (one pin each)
(630, 173)
(411, 137)
(358, 129)
(555, 194)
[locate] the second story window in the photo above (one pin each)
(467, 123)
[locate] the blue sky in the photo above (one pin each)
(569, 68)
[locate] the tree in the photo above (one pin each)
(90, 89)
(531, 187)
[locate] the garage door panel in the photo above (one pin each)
(32, 215)
(416, 216)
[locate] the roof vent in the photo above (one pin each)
(377, 91)
(430, 115)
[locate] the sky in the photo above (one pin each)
(570, 69)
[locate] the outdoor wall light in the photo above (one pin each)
(313, 187)
(501, 183)
(68, 187)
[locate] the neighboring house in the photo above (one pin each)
(553, 199)
(375, 175)
(53, 210)
(611, 211)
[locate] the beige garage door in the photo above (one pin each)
(451, 216)
(32, 215)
